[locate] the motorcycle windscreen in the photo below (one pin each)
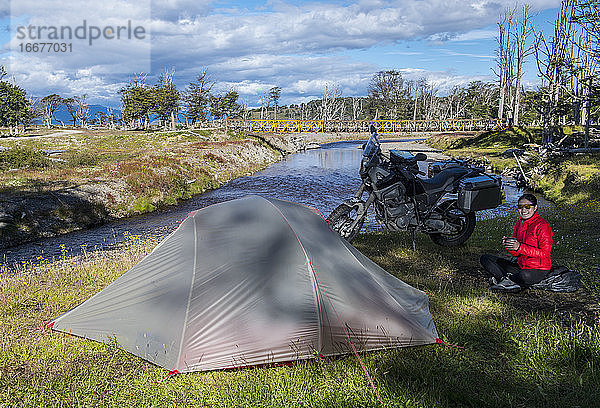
(371, 147)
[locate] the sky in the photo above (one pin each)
(251, 46)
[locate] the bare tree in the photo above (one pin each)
(264, 105)
(274, 94)
(49, 105)
(416, 86)
(82, 111)
(523, 30)
(430, 101)
(504, 60)
(245, 110)
(551, 57)
(357, 107)
(588, 47)
(331, 105)
(197, 96)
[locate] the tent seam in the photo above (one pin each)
(309, 268)
(187, 309)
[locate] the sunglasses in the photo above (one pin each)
(526, 206)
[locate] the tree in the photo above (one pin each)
(225, 106)
(137, 101)
(331, 105)
(15, 108)
(505, 60)
(71, 106)
(264, 105)
(386, 94)
(274, 94)
(165, 98)
(480, 100)
(49, 105)
(523, 49)
(232, 108)
(197, 97)
(357, 108)
(82, 109)
(588, 16)
(552, 60)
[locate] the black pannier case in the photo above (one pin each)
(480, 193)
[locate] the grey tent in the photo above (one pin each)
(252, 281)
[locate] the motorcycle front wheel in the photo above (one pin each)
(465, 223)
(341, 220)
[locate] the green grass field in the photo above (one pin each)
(531, 349)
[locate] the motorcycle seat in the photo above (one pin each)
(443, 179)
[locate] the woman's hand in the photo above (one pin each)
(511, 244)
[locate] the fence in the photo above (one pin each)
(362, 126)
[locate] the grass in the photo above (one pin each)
(22, 157)
(532, 349)
(487, 145)
(571, 182)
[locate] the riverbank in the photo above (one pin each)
(60, 182)
(533, 348)
(566, 179)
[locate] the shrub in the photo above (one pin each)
(82, 158)
(19, 157)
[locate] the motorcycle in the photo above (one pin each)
(442, 205)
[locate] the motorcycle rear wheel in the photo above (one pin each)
(341, 219)
(464, 233)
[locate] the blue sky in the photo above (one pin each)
(253, 45)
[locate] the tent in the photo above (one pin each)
(252, 281)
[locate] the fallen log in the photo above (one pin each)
(584, 150)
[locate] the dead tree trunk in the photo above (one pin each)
(522, 32)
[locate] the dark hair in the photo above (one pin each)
(529, 197)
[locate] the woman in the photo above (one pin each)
(531, 243)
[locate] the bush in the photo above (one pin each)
(22, 157)
(512, 137)
(82, 158)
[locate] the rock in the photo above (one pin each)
(6, 218)
(510, 152)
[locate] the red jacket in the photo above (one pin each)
(535, 236)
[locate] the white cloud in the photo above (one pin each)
(475, 35)
(45, 80)
(467, 54)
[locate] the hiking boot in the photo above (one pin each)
(506, 285)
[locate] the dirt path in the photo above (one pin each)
(55, 134)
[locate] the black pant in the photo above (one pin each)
(499, 268)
